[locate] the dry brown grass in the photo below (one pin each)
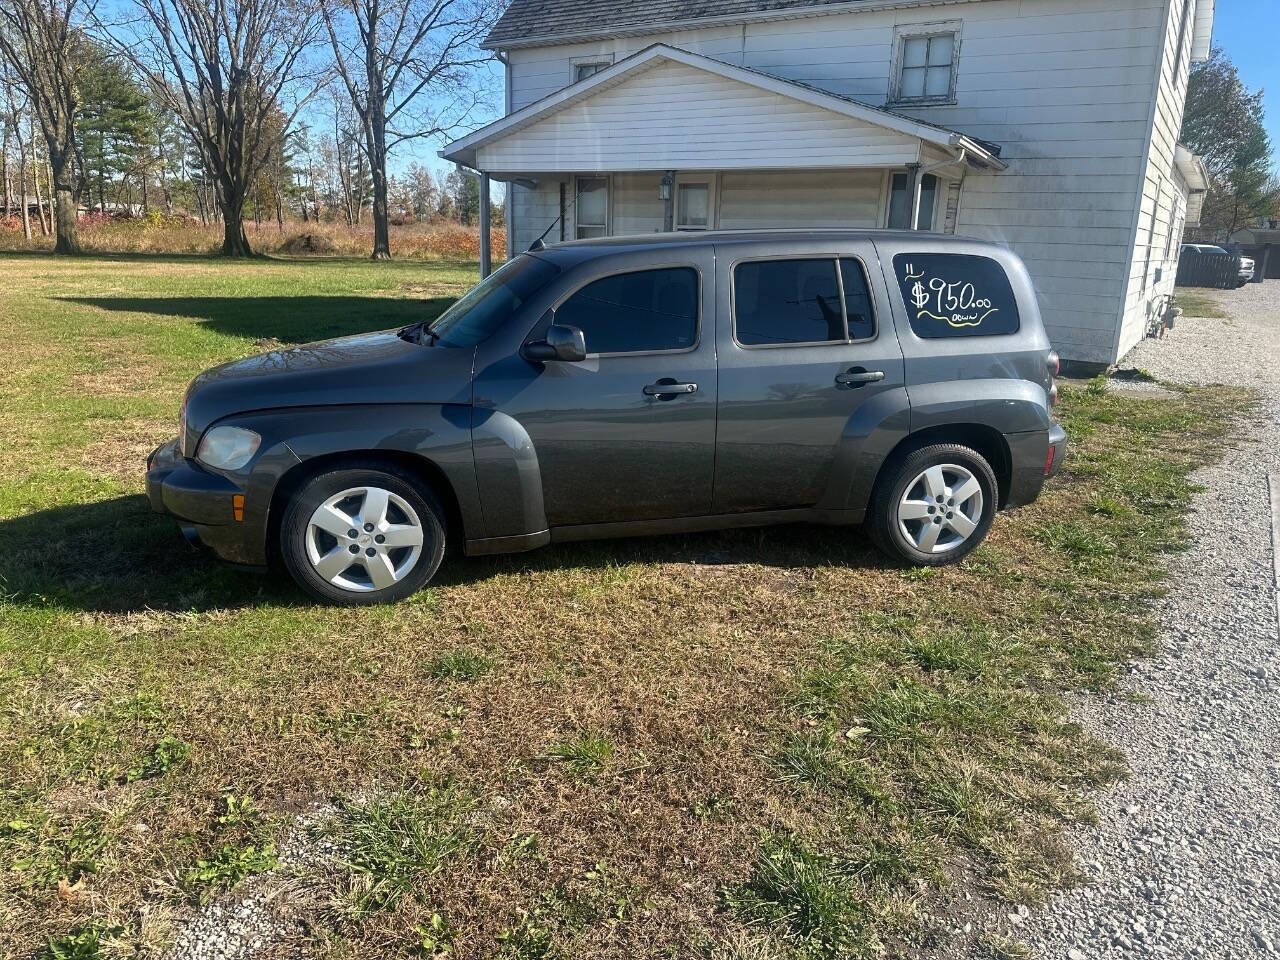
(424, 241)
(617, 750)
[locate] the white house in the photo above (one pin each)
(1048, 125)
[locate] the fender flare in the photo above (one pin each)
(436, 438)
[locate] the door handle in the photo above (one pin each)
(669, 388)
(858, 378)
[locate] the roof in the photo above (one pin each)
(1192, 169)
(977, 152)
(529, 22)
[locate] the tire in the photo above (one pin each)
(399, 539)
(910, 486)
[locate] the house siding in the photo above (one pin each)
(1153, 266)
(1064, 86)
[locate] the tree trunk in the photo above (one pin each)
(235, 242)
(381, 231)
(35, 178)
(22, 190)
(64, 207)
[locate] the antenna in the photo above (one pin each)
(540, 243)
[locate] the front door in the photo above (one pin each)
(628, 433)
(804, 342)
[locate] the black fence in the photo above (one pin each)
(1197, 269)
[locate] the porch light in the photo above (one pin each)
(664, 188)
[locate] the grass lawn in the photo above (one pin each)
(736, 746)
(1198, 302)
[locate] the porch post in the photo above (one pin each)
(486, 254)
(669, 203)
(915, 182)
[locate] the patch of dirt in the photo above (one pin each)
(122, 452)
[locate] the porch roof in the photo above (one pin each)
(666, 108)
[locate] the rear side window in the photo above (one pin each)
(641, 312)
(951, 295)
(857, 300)
(787, 301)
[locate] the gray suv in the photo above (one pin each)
(628, 386)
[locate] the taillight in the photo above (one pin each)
(1053, 395)
(1054, 363)
(1048, 461)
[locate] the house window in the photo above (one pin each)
(926, 71)
(693, 206)
(589, 68)
(592, 207)
(900, 201)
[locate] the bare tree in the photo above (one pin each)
(389, 53)
(39, 38)
(229, 70)
(14, 121)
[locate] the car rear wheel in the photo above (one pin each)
(357, 537)
(935, 506)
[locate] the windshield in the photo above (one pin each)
(488, 305)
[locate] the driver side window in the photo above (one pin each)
(646, 311)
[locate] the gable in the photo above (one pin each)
(672, 115)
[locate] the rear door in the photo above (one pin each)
(805, 340)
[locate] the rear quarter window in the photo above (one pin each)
(954, 295)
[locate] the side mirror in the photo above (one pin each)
(562, 343)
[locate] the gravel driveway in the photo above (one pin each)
(1186, 861)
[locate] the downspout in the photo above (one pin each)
(920, 173)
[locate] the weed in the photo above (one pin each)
(805, 896)
(586, 754)
(461, 665)
(435, 937)
(83, 943)
(393, 843)
(166, 755)
(231, 864)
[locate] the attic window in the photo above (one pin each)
(589, 67)
(926, 67)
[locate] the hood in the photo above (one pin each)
(372, 368)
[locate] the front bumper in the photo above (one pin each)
(203, 503)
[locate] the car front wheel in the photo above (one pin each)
(935, 507)
(357, 537)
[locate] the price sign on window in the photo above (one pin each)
(951, 295)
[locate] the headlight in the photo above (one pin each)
(228, 448)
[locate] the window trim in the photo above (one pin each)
(887, 202)
(918, 31)
(844, 307)
(607, 226)
(647, 268)
(708, 181)
(602, 60)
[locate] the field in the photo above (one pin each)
(156, 233)
(736, 746)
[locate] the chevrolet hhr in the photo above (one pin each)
(642, 385)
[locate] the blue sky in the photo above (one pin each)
(1249, 31)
